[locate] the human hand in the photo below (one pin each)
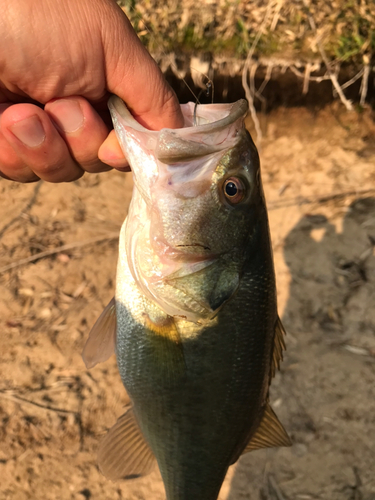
(69, 56)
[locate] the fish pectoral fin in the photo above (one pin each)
(102, 338)
(225, 288)
(278, 347)
(207, 288)
(165, 341)
(269, 434)
(123, 452)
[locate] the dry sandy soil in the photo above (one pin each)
(319, 176)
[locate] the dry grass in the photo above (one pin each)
(315, 40)
(344, 28)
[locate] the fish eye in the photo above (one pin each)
(234, 190)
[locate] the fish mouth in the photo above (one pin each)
(190, 252)
(183, 251)
(194, 246)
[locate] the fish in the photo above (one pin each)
(194, 321)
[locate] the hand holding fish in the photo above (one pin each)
(59, 63)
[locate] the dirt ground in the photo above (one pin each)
(319, 176)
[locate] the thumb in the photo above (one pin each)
(133, 75)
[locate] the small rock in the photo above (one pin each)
(45, 313)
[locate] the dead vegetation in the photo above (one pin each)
(313, 40)
(344, 28)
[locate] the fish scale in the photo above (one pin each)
(198, 337)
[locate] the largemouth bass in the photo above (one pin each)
(198, 338)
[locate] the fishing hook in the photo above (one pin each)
(209, 88)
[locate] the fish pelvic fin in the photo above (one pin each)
(269, 434)
(102, 338)
(278, 347)
(123, 452)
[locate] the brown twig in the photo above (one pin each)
(247, 66)
(298, 73)
(300, 200)
(54, 251)
(364, 85)
(352, 80)
(332, 76)
(357, 489)
(265, 81)
(30, 203)
(274, 487)
(306, 78)
(21, 400)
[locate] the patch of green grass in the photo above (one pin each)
(358, 35)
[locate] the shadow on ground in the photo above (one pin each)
(325, 393)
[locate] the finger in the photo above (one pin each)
(111, 153)
(11, 166)
(35, 146)
(134, 76)
(82, 130)
(9, 161)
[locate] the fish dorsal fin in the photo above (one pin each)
(278, 347)
(123, 452)
(102, 338)
(269, 434)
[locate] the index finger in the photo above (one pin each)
(133, 75)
